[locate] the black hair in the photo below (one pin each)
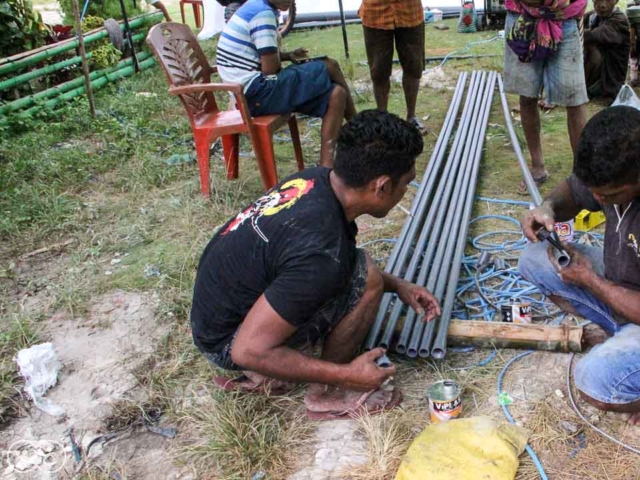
(376, 143)
(608, 151)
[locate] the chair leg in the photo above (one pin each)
(263, 148)
(295, 138)
(196, 15)
(202, 152)
(182, 13)
(231, 149)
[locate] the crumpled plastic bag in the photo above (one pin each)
(627, 97)
(465, 449)
(39, 365)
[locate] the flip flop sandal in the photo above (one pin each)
(361, 409)
(419, 125)
(245, 385)
(522, 187)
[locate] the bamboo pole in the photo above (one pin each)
(19, 56)
(509, 335)
(98, 83)
(12, 66)
(29, 101)
(26, 77)
(83, 56)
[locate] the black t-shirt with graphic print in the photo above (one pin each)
(294, 245)
(621, 237)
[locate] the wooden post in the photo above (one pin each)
(85, 66)
(509, 335)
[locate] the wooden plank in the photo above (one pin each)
(509, 335)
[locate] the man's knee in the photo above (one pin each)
(593, 382)
(535, 266)
(528, 101)
(338, 98)
(332, 65)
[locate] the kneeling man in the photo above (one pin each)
(600, 285)
(285, 274)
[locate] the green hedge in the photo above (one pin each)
(21, 27)
(100, 8)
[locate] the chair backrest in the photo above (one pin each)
(178, 51)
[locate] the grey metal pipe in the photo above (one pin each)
(440, 248)
(526, 174)
(443, 187)
(439, 346)
(398, 256)
(441, 196)
(426, 229)
(429, 333)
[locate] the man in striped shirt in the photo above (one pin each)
(402, 21)
(249, 53)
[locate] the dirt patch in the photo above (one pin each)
(99, 353)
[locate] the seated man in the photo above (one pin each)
(248, 53)
(603, 287)
(606, 49)
(285, 273)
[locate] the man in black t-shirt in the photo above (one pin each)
(285, 273)
(602, 286)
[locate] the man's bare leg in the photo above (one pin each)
(531, 125)
(331, 123)
(381, 90)
(410, 86)
(342, 346)
(576, 120)
(631, 408)
(337, 77)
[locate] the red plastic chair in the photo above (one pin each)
(196, 11)
(189, 75)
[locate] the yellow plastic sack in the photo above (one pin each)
(465, 449)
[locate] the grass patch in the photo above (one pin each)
(241, 435)
(16, 332)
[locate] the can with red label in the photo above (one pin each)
(444, 401)
(516, 312)
(565, 230)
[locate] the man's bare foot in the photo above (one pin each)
(634, 419)
(326, 398)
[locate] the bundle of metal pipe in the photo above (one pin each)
(438, 251)
(397, 260)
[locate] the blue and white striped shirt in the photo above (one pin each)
(251, 32)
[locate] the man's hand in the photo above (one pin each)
(579, 271)
(540, 217)
(365, 375)
(420, 299)
(298, 54)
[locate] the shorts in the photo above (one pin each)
(304, 88)
(561, 75)
(409, 45)
(320, 325)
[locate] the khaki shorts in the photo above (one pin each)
(562, 75)
(409, 44)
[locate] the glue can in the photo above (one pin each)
(516, 312)
(444, 401)
(565, 230)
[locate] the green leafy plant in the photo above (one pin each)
(21, 27)
(91, 22)
(100, 8)
(106, 56)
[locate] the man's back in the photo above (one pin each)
(251, 32)
(293, 244)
